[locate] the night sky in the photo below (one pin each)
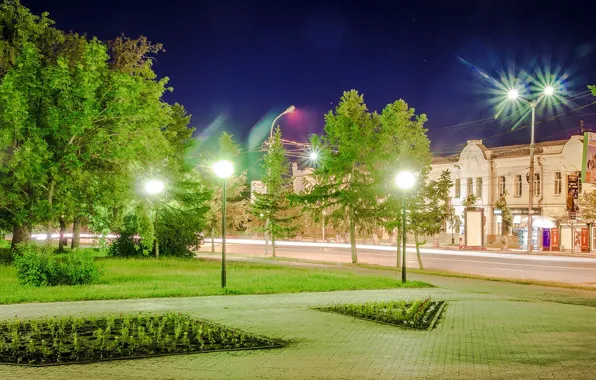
(236, 64)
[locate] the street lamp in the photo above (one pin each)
(154, 187)
(513, 95)
(223, 169)
(290, 109)
(405, 180)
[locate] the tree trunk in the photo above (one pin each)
(272, 244)
(212, 239)
(49, 225)
(62, 241)
(76, 233)
(398, 250)
(353, 238)
(20, 234)
(418, 251)
(452, 238)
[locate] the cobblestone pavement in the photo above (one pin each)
(480, 336)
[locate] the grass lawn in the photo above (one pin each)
(145, 278)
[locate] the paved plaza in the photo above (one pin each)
(483, 334)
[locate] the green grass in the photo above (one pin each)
(147, 278)
(445, 273)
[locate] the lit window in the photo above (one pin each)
(536, 184)
(518, 186)
(470, 187)
(502, 185)
(478, 187)
(558, 183)
(457, 188)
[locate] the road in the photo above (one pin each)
(538, 267)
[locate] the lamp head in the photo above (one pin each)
(405, 180)
(154, 186)
(549, 90)
(313, 156)
(290, 109)
(223, 169)
(513, 94)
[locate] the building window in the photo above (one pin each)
(457, 188)
(558, 183)
(502, 185)
(536, 184)
(478, 187)
(518, 185)
(470, 187)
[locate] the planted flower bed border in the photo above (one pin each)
(59, 341)
(417, 315)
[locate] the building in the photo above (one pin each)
(489, 172)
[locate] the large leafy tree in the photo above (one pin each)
(273, 207)
(402, 145)
(76, 123)
(428, 210)
(343, 184)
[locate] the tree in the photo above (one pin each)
(72, 128)
(402, 145)
(428, 210)
(506, 218)
(273, 206)
(347, 157)
(236, 206)
(454, 223)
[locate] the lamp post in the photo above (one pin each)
(513, 94)
(290, 109)
(155, 187)
(223, 169)
(405, 180)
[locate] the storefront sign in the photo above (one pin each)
(572, 192)
(546, 239)
(585, 243)
(554, 239)
(256, 187)
(589, 158)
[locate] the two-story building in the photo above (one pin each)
(490, 172)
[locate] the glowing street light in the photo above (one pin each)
(154, 187)
(288, 110)
(313, 156)
(224, 170)
(513, 95)
(405, 180)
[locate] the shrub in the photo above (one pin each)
(6, 257)
(39, 266)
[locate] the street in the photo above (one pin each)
(576, 270)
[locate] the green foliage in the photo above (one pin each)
(470, 200)
(414, 314)
(429, 207)
(6, 256)
(69, 340)
(236, 206)
(135, 236)
(506, 216)
(273, 208)
(38, 266)
(587, 205)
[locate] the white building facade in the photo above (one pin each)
(489, 172)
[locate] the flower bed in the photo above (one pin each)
(69, 340)
(420, 314)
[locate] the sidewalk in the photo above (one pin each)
(479, 337)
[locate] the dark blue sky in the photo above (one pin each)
(245, 61)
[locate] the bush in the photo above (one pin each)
(6, 257)
(39, 266)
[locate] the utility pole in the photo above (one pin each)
(531, 187)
